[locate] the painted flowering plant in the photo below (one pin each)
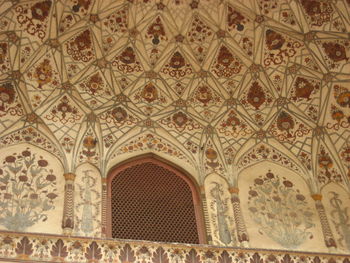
(281, 210)
(27, 190)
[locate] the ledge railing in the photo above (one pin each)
(29, 247)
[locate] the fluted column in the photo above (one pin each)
(241, 229)
(326, 230)
(206, 216)
(68, 207)
(104, 208)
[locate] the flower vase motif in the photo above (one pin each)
(221, 217)
(27, 190)
(280, 210)
(341, 219)
(88, 203)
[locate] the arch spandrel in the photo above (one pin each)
(31, 185)
(336, 202)
(272, 194)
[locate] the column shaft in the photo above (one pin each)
(104, 208)
(241, 229)
(326, 230)
(68, 207)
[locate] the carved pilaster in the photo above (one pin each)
(241, 229)
(104, 208)
(326, 230)
(68, 208)
(206, 216)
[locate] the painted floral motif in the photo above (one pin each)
(257, 101)
(34, 21)
(80, 6)
(280, 210)
(226, 63)
(335, 52)
(28, 190)
(304, 88)
(67, 144)
(89, 151)
(88, 206)
(305, 158)
(338, 109)
(119, 117)
(345, 156)
(117, 22)
(219, 207)
(4, 59)
(95, 86)
(285, 122)
(153, 143)
(150, 94)
(232, 125)
(180, 121)
(62, 248)
(156, 31)
(279, 48)
(212, 162)
(80, 48)
(204, 94)
(327, 172)
(64, 112)
(8, 98)
(156, 39)
(177, 67)
(318, 12)
(287, 128)
(30, 135)
(43, 73)
(127, 62)
(256, 96)
(199, 37)
(235, 20)
(264, 152)
(341, 219)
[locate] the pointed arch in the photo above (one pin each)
(165, 179)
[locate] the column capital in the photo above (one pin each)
(69, 176)
(317, 197)
(233, 190)
(104, 180)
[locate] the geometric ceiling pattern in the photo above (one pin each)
(219, 84)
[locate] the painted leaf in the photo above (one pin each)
(127, 255)
(59, 249)
(24, 247)
(287, 259)
(256, 258)
(225, 257)
(160, 256)
(192, 257)
(93, 252)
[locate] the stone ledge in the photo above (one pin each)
(29, 247)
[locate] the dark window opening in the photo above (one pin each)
(150, 202)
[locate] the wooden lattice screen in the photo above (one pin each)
(149, 202)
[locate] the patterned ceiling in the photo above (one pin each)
(216, 84)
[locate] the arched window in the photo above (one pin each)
(151, 200)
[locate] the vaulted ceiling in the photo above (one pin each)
(217, 84)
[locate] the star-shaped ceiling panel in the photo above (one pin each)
(217, 83)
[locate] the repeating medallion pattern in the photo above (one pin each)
(218, 85)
